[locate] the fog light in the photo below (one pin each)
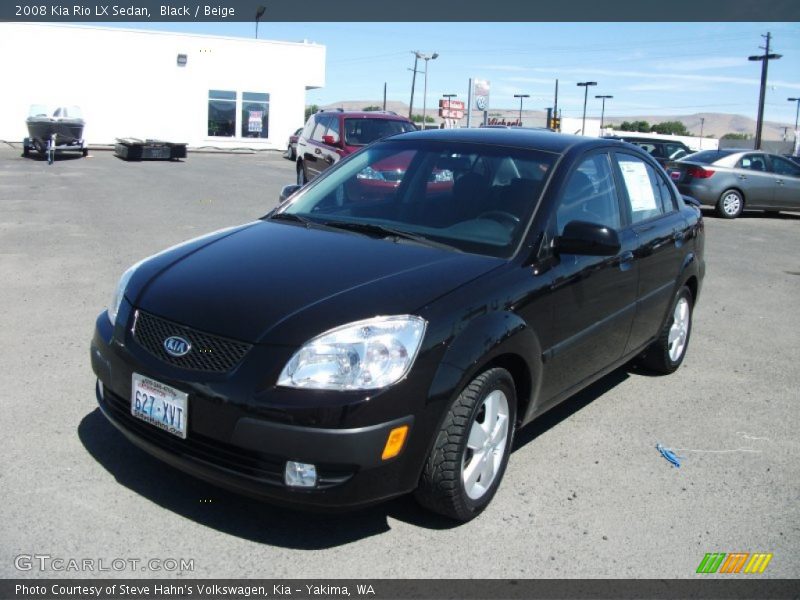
(395, 441)
(300, 474)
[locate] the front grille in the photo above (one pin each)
(208, 352)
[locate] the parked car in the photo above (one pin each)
(332, 135)
(661, 150)
(735, 180)
(291, 145)
(354, 345)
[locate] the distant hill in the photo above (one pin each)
(716, 124)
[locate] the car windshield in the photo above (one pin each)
(360, 132)
(471, 198)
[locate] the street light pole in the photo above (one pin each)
(259, 13)
(797, 110)
(702, 124)
(603, 110)
(764, 58)
(585, 85)
(426, 58)
(521, 96)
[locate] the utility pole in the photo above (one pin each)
(585, 85)
(384, 96)
(259, 13)
(417, 54)
(603, 110)
(764, 58)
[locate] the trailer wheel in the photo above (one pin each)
(26, 151)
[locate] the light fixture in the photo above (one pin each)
(182, 58)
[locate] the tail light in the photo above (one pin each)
(699, 172)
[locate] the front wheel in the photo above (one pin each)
(301, 174)
(470, 453)
(730, 204)
(666, 354)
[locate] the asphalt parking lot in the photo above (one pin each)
(586, 493)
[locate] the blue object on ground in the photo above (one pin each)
(669, 455)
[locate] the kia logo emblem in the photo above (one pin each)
(177, 346)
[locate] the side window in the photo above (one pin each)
(333, 129)
(644, 188)
(589, 195)
(675, 151)
(752, 162)
(309, 127)
(320, 129)
(781, 166)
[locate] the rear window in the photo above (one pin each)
(360, 132)
(707, 157)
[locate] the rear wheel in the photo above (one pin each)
(470, 453)
(730, 204)
(666, 354)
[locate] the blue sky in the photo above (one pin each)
(649, 68)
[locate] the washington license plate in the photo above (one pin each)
(160, 405)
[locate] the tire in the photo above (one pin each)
(730, 204)
(445, 486)
(291, 152)
(301, 174)
(26, 152)
(666, 354)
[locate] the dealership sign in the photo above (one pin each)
(451, 109)
(481, 94)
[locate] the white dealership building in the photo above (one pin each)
(206, 91)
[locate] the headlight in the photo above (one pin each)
(364, 355)
(119, 293)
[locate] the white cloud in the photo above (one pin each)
(701, 64)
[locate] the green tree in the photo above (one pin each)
(310, 110)
(371, 108)
(670, 128)
(736, 136)
(418, 119)
(642, 126)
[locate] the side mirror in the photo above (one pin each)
(330, 140)
(591, 239)
(287, 191)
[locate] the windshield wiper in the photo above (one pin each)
(381, 231)
(284, 216)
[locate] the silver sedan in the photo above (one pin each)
(735, 180)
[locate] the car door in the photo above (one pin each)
(593, 297)
(651, 209)
(786, 175)
(331, 143)
(755, 181)
(313, 151)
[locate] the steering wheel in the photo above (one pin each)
(502, 217)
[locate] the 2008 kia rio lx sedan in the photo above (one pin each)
(390, 326)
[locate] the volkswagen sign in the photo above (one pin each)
(177, 346)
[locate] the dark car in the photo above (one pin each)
(373, 337)
(291, 145)
(735, 180)
(661, 150)
(330, 136)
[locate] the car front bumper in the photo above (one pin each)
(231, 445)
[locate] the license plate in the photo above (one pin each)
(160, 405)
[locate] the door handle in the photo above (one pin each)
(625, 260)
(779, 181)
(678, 238)
(317, 151)
(742, 176)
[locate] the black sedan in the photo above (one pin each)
(390, 326)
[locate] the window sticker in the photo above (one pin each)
(638, 183)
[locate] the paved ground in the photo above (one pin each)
(586, 493)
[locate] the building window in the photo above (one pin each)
(255, 115)
(221, 113)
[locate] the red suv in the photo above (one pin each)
(331, 135)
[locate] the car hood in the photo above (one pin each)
(281, 283)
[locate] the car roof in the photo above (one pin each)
(516, 137)
(365, 114)
(633, 139)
